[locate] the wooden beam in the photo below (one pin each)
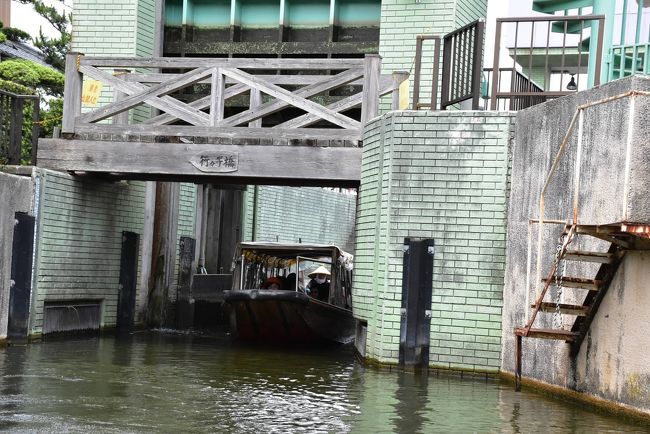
(292, 99)
(372, 71)
(71, 92)
(118, 95)
(310, 118)
(293, 80)
(199, 104)
(234, 133)
(217, 97)
(279, 163)
(387, 86)
(198, 62)
(146, 95)
(327, 82)
(255, 101)
(176, 108)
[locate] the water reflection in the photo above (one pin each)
(152, 382)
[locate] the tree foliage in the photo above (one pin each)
(32, 75)
(54, 49)
(14, 34)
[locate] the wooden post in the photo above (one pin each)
(36, 114)
(71, 92)
(255, 101)
(147, 250)
(163, 258)
(518, 363)
(16, 133)
(217, 89)
(370, 99)
(121, 118)
(398, 78)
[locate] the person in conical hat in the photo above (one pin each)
(319, 285)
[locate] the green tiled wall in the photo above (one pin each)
(308, 214)
(440, 175)
(80, 238)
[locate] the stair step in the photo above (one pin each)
(586, 256)
(567, 309)
(559, 334)
(577, 282)
(550, 6)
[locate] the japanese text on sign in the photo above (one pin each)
(218, 162)
(90, 92)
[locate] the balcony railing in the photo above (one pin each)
(519, 83)
(553, 48)
(462, 52)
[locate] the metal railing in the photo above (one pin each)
(462, 53)
(564, 52)
(627, 60)
(629, 53)
(462, 64)
(419, 42)
(520, 83)
(13, 124)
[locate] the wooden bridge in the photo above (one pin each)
(259, 121)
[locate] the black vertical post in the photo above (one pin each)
(417, 282)
(128, 278)
(21, 277)
(185, 317)
(518, 363)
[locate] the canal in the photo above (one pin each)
(166, 382)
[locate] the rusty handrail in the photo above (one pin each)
(578, 115)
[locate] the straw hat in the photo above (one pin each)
(320, 270)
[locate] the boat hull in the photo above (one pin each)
(287, 317)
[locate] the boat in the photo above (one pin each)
(292, 314)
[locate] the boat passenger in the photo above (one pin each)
(319, 285)
(290, 282)
(272, 283)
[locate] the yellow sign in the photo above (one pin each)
(404, 95)
(91, 91)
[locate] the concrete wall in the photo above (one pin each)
(611, 363)
(310, 214)
(16, 195)
(440, 175)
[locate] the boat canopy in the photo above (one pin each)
(275, 251)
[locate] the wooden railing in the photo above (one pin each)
(324, 91)
(13, 126)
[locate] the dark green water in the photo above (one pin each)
(158, 382)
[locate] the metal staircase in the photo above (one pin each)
(597, 250)
(595, 285)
